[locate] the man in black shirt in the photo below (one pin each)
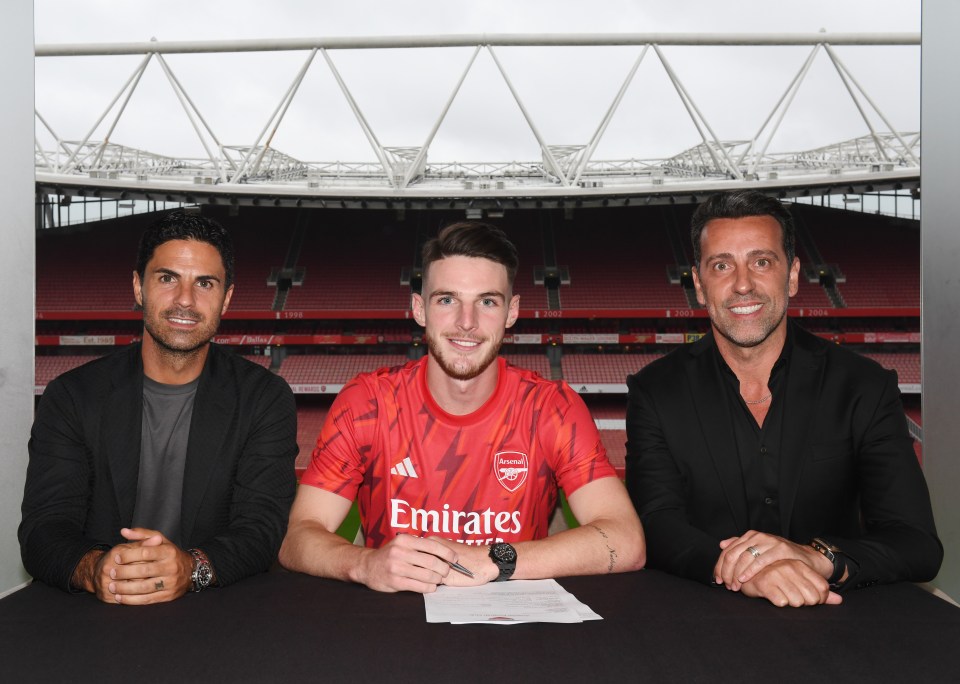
(763, 458)
(166, 467)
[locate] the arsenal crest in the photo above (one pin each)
(510, 467)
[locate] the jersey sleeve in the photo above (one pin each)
(577, 454)
(338, 462)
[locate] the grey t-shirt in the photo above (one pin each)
(167, 411)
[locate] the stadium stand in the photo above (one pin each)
(353, 260)
(49, 367)
(101, 258)
(907, 364)
(810, 295)
(310, 417)
(620, 262)
(538, 363)
(615, 441)
(353, 267)
(879, 256)
(333, 369)
(258, 359)
(528, 241)
(588, 369)
(259, 245)
(609, 408)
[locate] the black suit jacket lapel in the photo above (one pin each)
(802, 398)
(120, 427)
(209, 426)
(706, 387)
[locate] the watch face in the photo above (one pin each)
(204, 574)
(503, 553)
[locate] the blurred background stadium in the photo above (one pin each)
(328, 236)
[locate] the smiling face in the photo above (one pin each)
(466, 306)
(744, 279)
(183, 297)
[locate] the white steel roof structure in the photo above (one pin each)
(255, 172)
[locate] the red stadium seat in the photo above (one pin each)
(588, 369)
(333, 369)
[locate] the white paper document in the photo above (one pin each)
(506, 603)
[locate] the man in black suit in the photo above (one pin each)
(166, 467)
(763, 458)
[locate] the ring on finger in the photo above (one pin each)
(754, 551)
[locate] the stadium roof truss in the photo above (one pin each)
(881, 159)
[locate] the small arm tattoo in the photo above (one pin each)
(610, 549)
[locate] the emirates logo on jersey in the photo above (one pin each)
(510, 467)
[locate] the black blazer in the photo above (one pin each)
(848, 472)
(84, 449)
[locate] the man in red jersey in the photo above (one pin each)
(457, 457)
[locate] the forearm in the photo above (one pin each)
(53, 532)
(244, 548)
(659, 485)
(312, 549)
(52, 549)
(609, 539)
(677, 547)
(603, 546)
(889, 556)
(898, 539)
(86, 570)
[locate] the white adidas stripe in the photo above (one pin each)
(405, 468)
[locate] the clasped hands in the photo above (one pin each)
(149, 568)
(771, 567)
(421, 564)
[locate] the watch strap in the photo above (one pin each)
(202, 575)
(504, 557)
(834, 555)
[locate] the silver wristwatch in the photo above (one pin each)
(202, 570)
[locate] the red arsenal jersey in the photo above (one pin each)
(485, 477)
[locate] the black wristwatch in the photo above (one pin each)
(202, 571)
(505, 557)
(833, 554)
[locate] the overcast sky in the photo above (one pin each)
(567, 90)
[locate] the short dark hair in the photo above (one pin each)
(472, 239)
(180, 225)
(739, 204)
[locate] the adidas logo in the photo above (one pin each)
(404, 468)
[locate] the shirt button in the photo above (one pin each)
(769, 501)
(763, 450)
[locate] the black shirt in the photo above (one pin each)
(759, 447)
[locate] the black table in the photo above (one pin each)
(292, 628)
